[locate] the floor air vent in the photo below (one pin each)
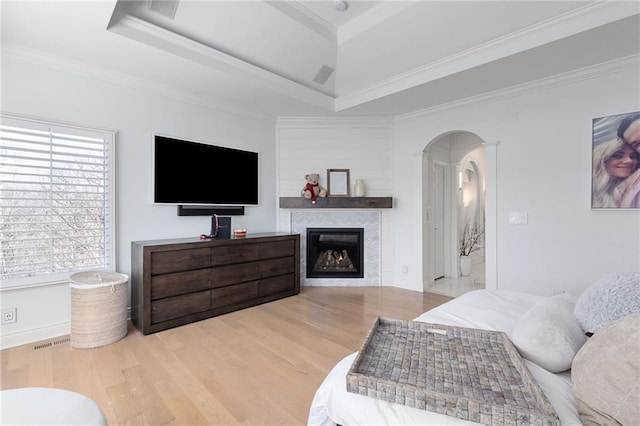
(51, 343)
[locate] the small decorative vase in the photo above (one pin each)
(358, 188)
(465, 265)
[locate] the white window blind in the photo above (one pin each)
(56, 201)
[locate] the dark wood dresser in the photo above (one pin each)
(179, 281)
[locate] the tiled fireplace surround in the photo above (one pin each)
(369, 220)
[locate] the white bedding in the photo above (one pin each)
(485, 309)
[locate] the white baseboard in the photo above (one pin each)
(37, 334)
(24, 337)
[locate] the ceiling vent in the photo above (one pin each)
(324, 74)
(164, 7)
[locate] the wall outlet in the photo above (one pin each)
(9, 315)
(556, 291)
(405, 270)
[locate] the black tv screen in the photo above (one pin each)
(186, 172)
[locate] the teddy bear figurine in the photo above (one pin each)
(312, 190)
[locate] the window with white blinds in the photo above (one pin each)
(56, 201)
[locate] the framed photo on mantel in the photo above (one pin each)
(338, 182)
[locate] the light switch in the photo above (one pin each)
(518, 218)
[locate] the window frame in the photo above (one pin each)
(109, 136)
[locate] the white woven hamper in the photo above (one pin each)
(98, 308)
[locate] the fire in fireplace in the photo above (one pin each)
(335, 253)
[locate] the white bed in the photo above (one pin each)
(484, 309)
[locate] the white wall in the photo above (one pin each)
(39, 91)
(540, 138)
(544, 169)
(472, 191)
(364, 146)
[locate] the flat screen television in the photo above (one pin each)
(194, 173)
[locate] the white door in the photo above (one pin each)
(438, 221)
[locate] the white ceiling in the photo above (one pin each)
(261, 57)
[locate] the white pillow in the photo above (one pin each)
(549, 334)
(612, 297)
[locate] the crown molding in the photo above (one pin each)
(64, 64)
(349, 122)
(369, 19)
(587, 73)
(571, 23)
(168, 41)
(303, 15)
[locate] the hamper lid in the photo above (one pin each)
(96, 279)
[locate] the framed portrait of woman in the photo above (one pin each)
(615, 173)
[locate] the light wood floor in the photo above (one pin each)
(260, 365)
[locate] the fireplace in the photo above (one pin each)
(369, 220)
(335, 253)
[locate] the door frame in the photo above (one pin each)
(446, 213)
(490, 206)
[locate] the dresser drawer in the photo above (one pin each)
(276, 249)
(233, 254)
(229, 295)
(270, 268)
(231, 274)
(163, 262)
(179, 283)
(276, 285)
(180, 306)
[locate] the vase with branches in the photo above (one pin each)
(470, 237)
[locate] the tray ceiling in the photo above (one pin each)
(292, 58)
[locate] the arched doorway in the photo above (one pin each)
(454, 196)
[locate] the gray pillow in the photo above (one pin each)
(611, 297)
(549, 334)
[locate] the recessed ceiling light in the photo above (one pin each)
(340, 5)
